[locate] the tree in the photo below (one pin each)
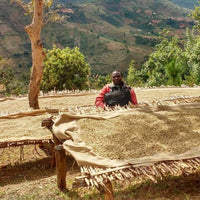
(192, 47)
(7, 78)
(192, 51)
(34, 31)
(135, 76)
(102, 80)
(65, 69)
(173, 72)
(6, 73)
(35, 8)
(131, 73)
(174, 61)
(12, 82)
(168, 59)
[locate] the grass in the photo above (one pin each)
(36, 179)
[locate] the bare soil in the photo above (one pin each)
(26, 173)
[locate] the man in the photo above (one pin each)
(116, 93)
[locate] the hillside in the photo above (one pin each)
(13, 39)
(185, 3)
(109, 33)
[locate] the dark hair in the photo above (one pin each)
(117, 70)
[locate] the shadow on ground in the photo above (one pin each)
(33, 170)
(172, 187)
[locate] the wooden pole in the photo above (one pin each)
(61, 168)
(53, 157)
(108, 190)
(60, 156)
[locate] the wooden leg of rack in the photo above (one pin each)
(61, 169)
(108, 190)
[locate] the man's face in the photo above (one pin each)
(116, 78)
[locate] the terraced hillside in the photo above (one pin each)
(108, 33)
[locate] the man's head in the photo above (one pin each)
(117, 77)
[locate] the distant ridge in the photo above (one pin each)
(189, 4)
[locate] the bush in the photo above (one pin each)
(65, 69)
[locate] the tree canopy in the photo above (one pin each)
(175, 61)
(65, 69)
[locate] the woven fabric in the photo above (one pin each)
(67, 130)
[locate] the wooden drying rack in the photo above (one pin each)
(102, 178)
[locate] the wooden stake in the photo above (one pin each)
(61, 168)
(108, 190)
(53, 157)
(60, 156)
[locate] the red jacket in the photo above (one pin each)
(100, 98)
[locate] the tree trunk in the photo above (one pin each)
(34, 32)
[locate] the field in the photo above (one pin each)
(26, 173)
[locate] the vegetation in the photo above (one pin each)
(12, 85)
(36, 9)
(175, 61)
(185, 3)
(108, 34)
(133, 76)
(65, 69)
(98, 81)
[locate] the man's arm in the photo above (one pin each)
(99, 102)
(133, 97)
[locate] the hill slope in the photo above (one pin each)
(109, 33)
(185, 3)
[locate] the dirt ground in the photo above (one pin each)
(167, 129)
(30, 127)
(72, 100)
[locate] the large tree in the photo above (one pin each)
(35, 8)
(34, 32)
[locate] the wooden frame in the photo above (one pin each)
(61, 168)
